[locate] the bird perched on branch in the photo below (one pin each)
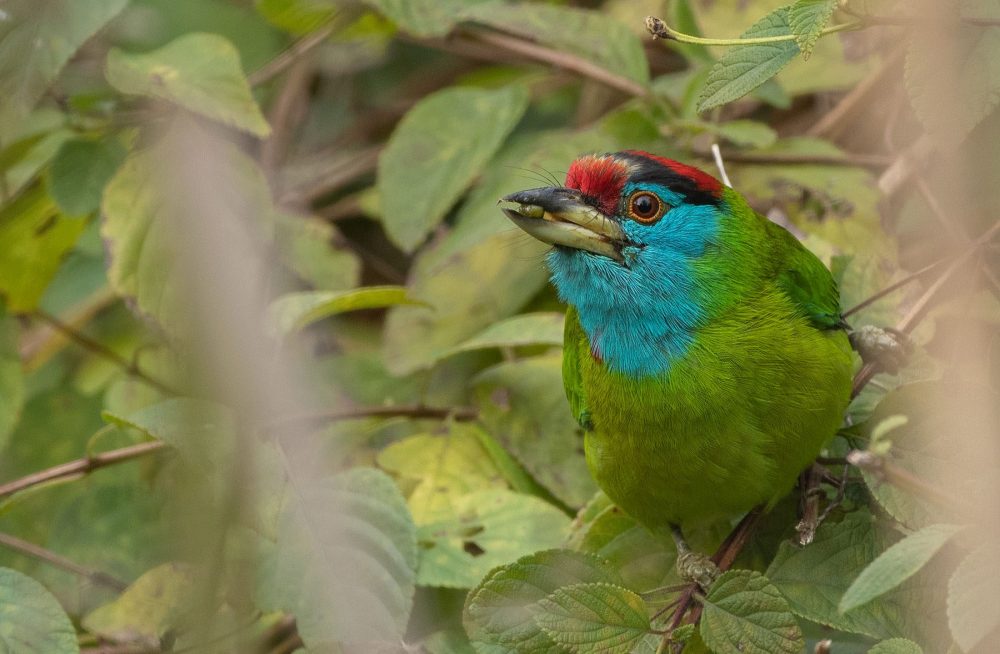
(705, 354)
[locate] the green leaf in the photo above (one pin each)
(197, 71)
(486, 528)
(35, 238)
(526, 329)
(644, 560)
(896, 646)
(594, 617)
(813, 579)
(296, 16)
(436, 150)
(745, 67)
(343, 564)
(524, 405)
(141, 218)
(80, 171)
(593, 36)
(466, 292)
(441, 469)
(962, 66)
(306, 246)
(423, 17)
(747, 133)
(12, 392)
(33, 622)
(159, 601)
(499, 612)
(293, 311)
(973, 612)
(745, 614)
(897, 564)
(37, 38)
(807, 18)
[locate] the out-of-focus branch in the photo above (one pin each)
(457, 413)
(87, 343)
(285, 114)
(86, 465)
(81, 467)
(42, 554)
(325, 172)
(778, 158)
(295, 52)
(916, 312)
(904, 480)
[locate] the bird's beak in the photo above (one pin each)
(560, 216)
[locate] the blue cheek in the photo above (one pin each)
(640, 316)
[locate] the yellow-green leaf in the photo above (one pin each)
(159, 601)
(35, 238)
(197, 71)
(807, 18)
(294, 311)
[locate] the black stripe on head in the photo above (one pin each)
(696, 186)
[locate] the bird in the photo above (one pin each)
(705, 355)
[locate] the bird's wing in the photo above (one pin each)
(574, 338)
(807, 282)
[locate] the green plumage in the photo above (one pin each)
(734, 420)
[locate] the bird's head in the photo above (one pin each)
(637, 247)
(625, 215)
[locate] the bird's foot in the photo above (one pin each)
(697, 568)
(884, 347)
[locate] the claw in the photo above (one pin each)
(697, 568)
(885, 347)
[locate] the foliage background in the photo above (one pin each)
(276, 375)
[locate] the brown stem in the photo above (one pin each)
(295, 52)
(80, 467)
(892, 287)
(86, 465)
(905, 480)
(846, 159)
(916, 312)
(104, 351)
(459, 414)
(42, 554)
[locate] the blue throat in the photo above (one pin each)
(641, 316)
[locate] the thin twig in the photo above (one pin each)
(834, 119)
(285, 114)
(894, 286)
(916, 312)
(102, 350)
(295, 52)
(904, 480)
(778, 158)
(86, 465)
(81, 467)
(459, 414)
(564, 60)
(42, 554)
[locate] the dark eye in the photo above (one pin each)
(645, 207)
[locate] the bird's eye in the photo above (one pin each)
(645, 207)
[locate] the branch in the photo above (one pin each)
(86, 465)
(660, 30)
(847, 159)
(563, 60)
(81, 467)
(459, 414)
(42, 554)
(295, 52)
(87, 343)
(904, 479)
(916, 312)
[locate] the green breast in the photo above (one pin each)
(729, 426)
